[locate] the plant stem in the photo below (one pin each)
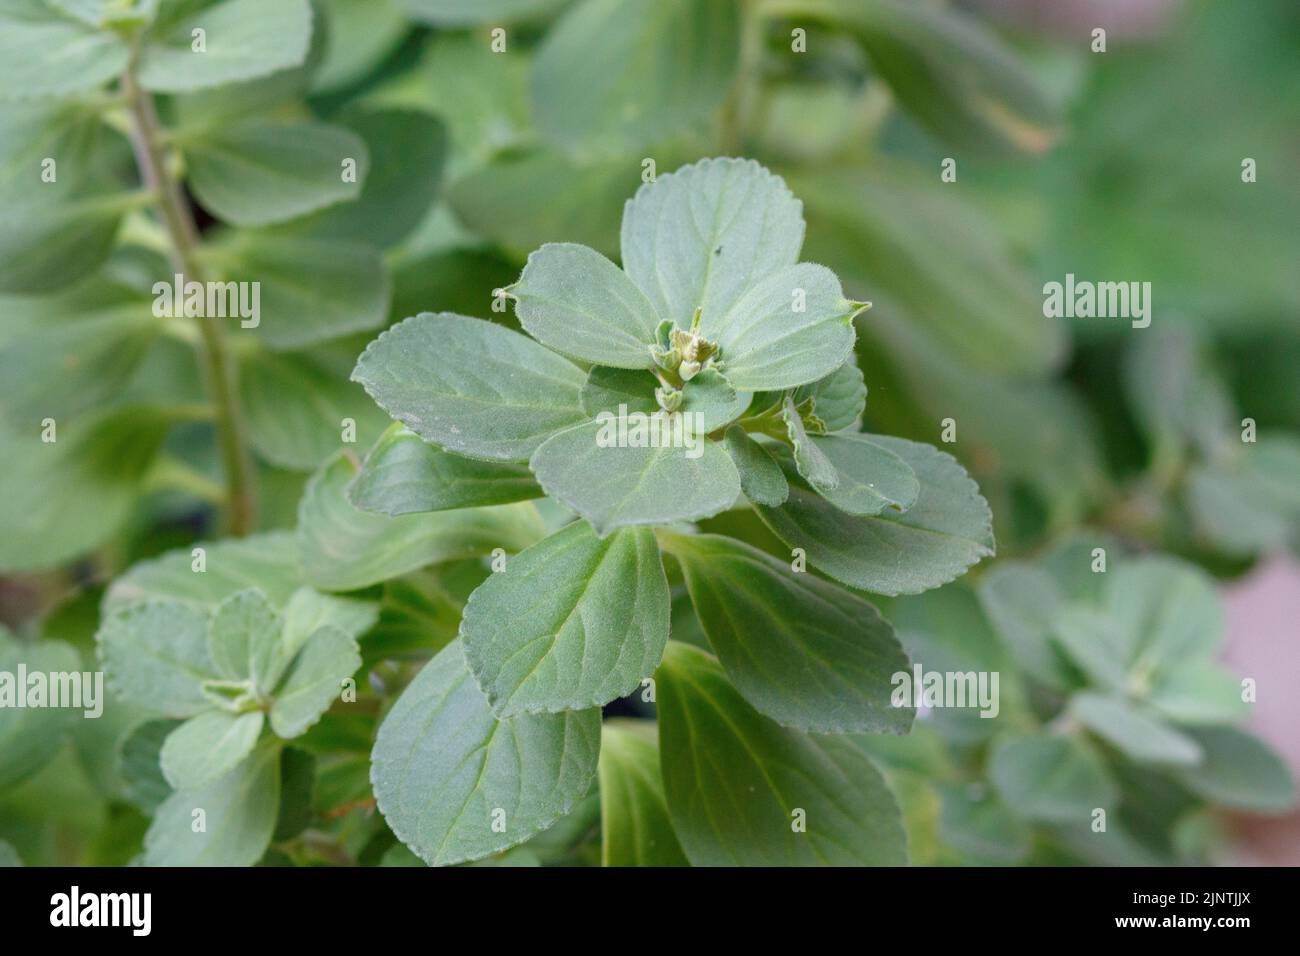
(738, 110)
(183, 239)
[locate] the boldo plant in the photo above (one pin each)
(437, 432)
(713, 367)
(716, 370)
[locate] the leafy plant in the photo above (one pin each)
(536, 511)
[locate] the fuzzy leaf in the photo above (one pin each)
(808, 654)
(936, 540)
(344, 548)
(244, 640)
(838, 399)
(634, 825)
(404, 474)
(239, 813)
(787, 329)
(258, 173)
(268, 561)
(46, 52)
(1133, 731)
(613, 486)
(574, 621)
(1240, 770)
(442, 738)
(702, 236)
(574, 300)
(852, 472)
(736, 781)
(1051, 779)
(155, 654)
(761, 478)
(243, 39)
(469, 386)
(207, 746)
(314, 681)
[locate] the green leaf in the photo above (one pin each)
(207, 746)
(48, 239)
(1198, 692)
(65, 356)
(244, 640)
(1248, 502)
(298, 404)
(314, 680)
(65, 497)
(404, 474)
(155, 654)
(737, 781)
(67, 130)
(460, 13)
(702, 236)
(1092, 640)
(63, 196)
(1174, 391)
(257, 173)
(1166, 611)
(947, 530)
(441, 739)
(1024, 602)
(712, 402)
(853, 473)
(949, 72)
(239, 814)
(1240, 770)
(1133, 731)
(344, 548)
(574, 621)
(803, 652)
(787, 329)
(48, 53)
(138, 757)
(268, 561)
(1053, 779)
(610, 77)
(360, 34)
(941, 264)
(608, 388)
(708, 397)
(311, 290)
(469, 386)
(407, 151)
(981, 827)
(30, 736)
(9, 856)
(243, 39)
(309, 610)
(634, 825)
(512, 200)
(574, 300)
(613, 486)
(838, 399)
(761, 478)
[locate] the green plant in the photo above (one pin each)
(443, 462)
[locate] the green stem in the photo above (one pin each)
(738, 110)
(219, 372)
